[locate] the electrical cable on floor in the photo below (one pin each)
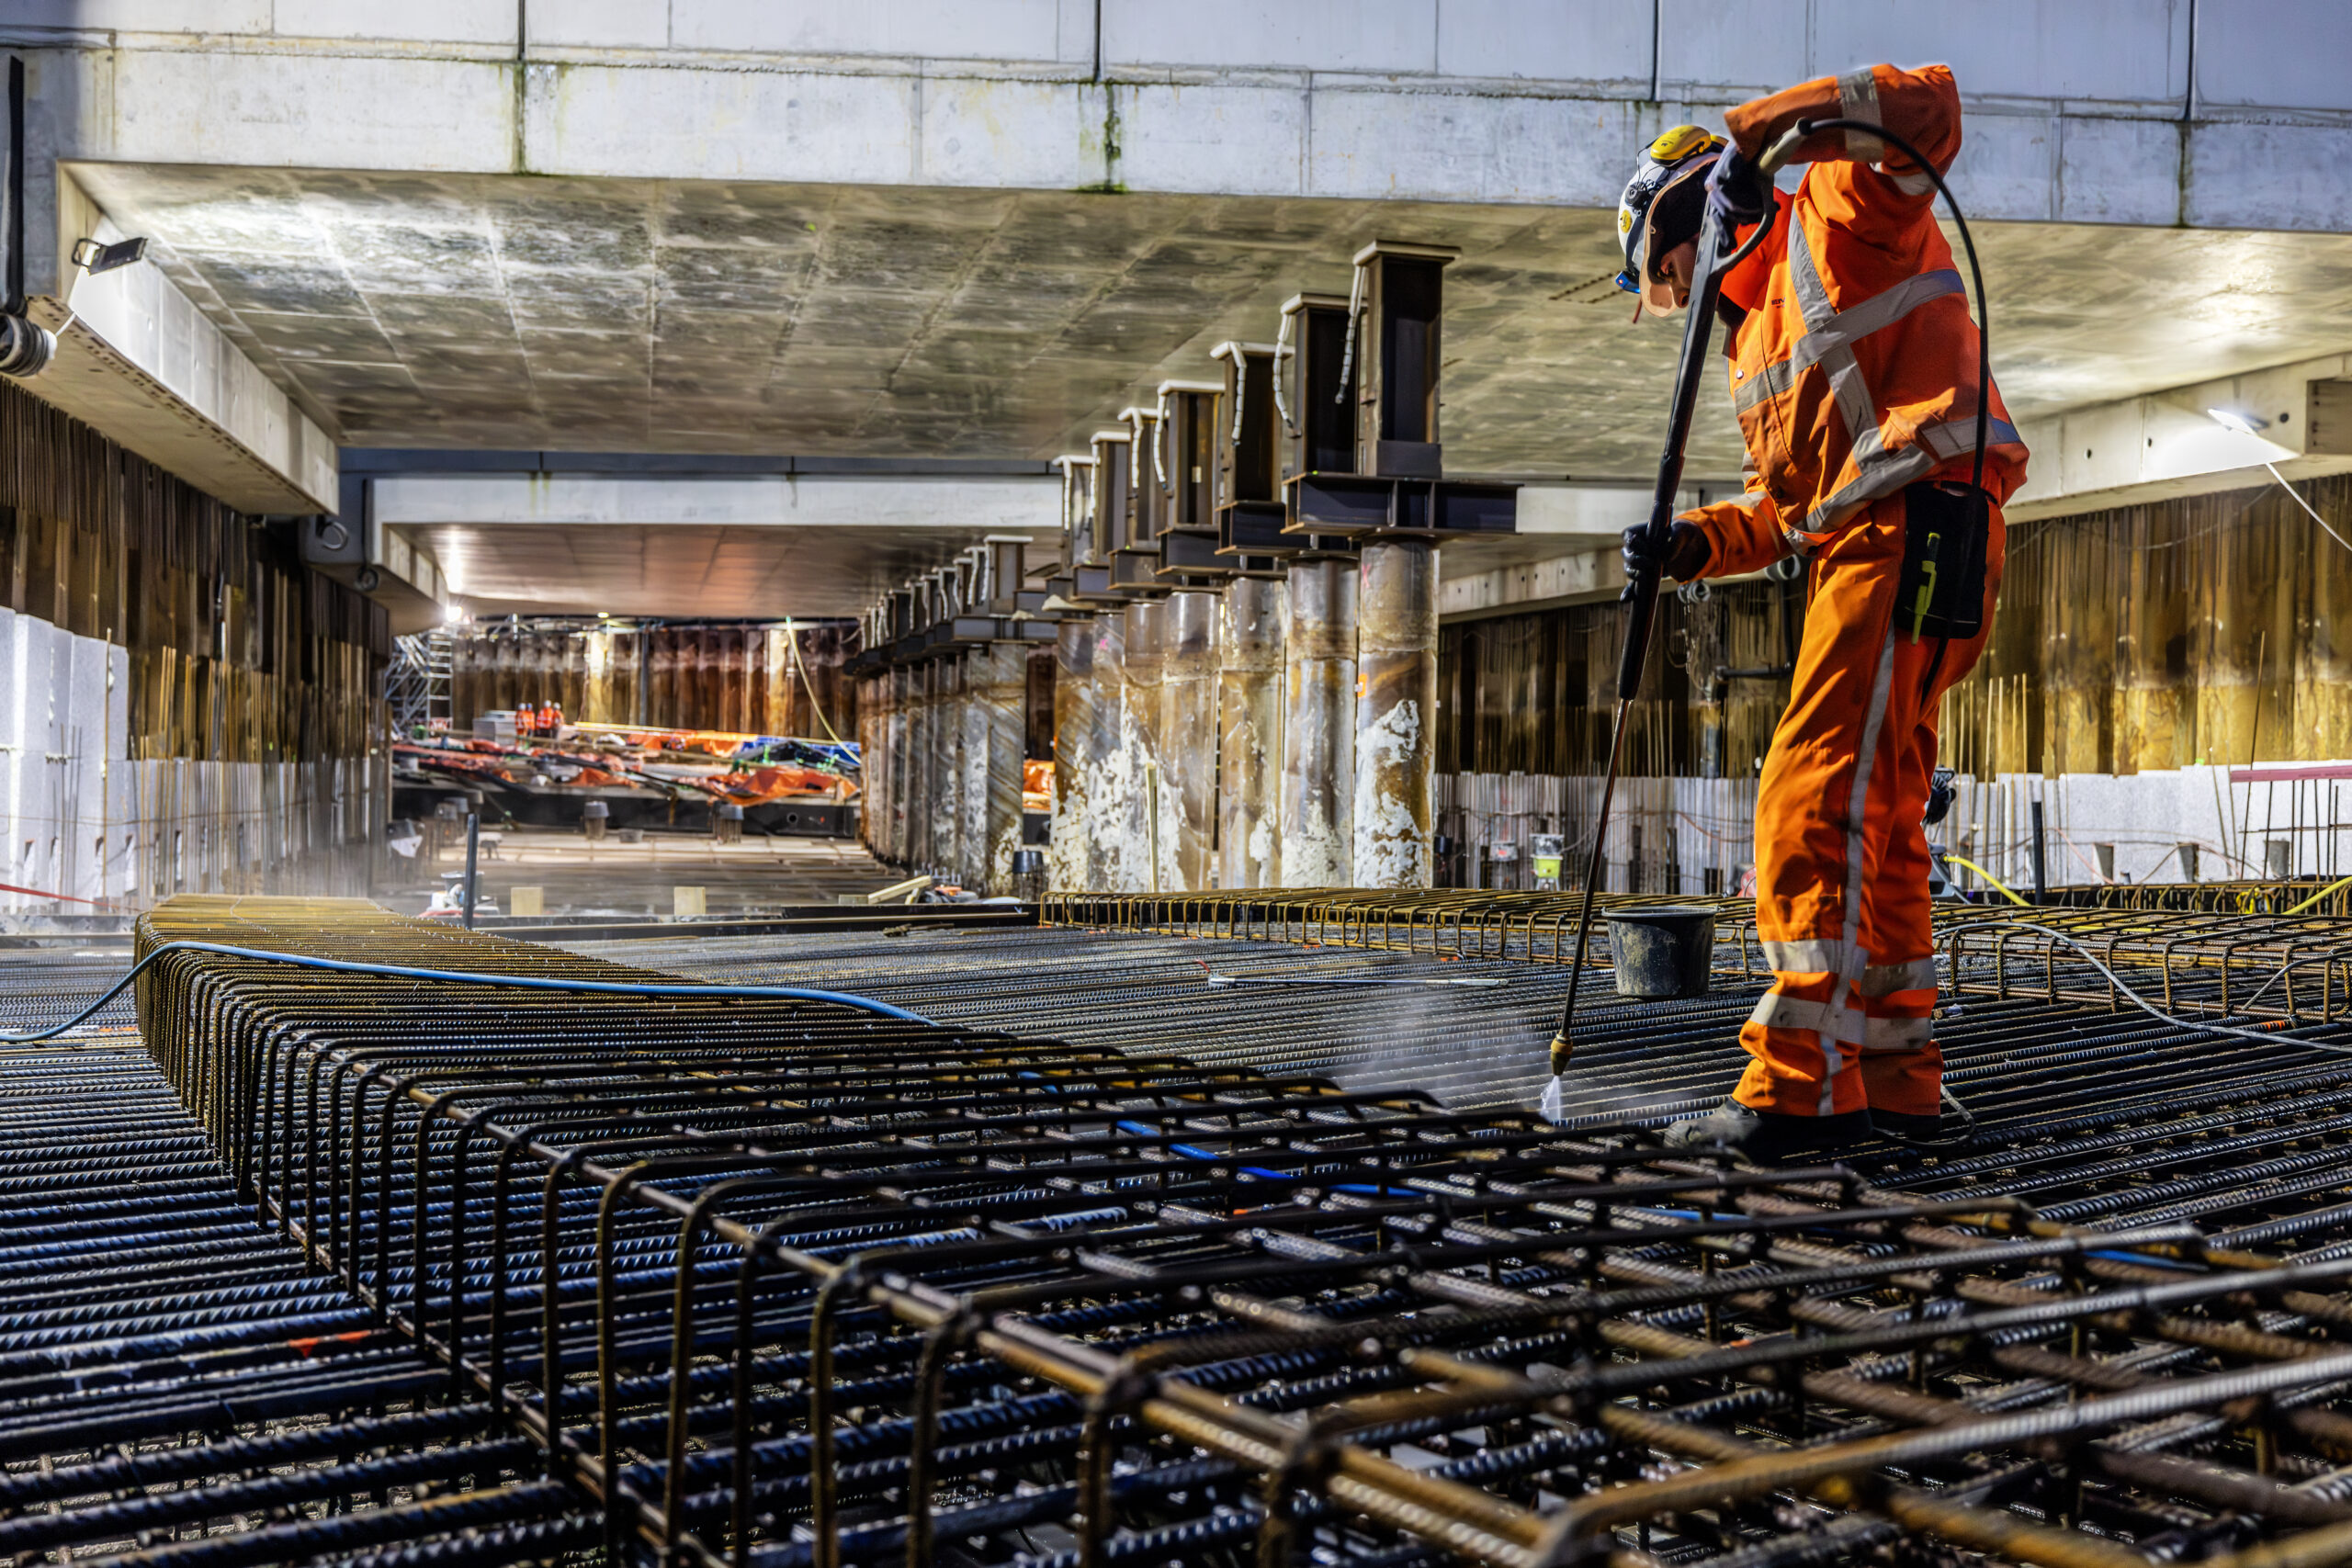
(467, 977)
(2259, 1036)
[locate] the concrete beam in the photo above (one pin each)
(140, 364)
(962, 506)
(678, 544)
(2166, 443)
(1564, 552)
(2084, 113)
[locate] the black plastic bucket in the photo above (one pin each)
(1665, 950)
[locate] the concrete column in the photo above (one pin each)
(1316, 812)
(1131, 816)
(943, 812)
(1082, 737)
(916, 776)
(902, 716)
(996, 682)
(1249, 730)
(1188, 743)
(1396, 713)
(1111, 767)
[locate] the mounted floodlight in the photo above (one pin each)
(26, 347)
(2232, 419)
(95, 258)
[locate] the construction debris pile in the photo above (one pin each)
(640, 775)
(786, 1281)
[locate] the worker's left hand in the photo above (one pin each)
(1736, 189)
(1684, 557)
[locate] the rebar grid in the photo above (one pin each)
(2103, 1117)
(789, 1282)
(2211, 962)
(180, 1388)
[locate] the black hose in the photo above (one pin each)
(1805, 127)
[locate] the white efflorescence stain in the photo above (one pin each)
(1391, 847)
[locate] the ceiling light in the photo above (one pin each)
(2233, 419)
(95, 258)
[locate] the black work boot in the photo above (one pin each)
(1905, 1128)
(1768, 1137)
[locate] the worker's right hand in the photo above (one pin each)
(1684, 557)
(1736, 189)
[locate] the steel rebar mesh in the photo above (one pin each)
(792, 1282)
(181, 1388)
(2222, 957)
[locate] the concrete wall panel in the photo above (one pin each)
(2121, 51)
(1607, 46)
(438, 21)
(2251, 174)
(987, 132)
(1734, 49)
(968, 29)
(1381, 145)
(1230, 139)
(600, 24)
(233, 18)
(2274, 53)
(311, 111)
(2117, 171)
(1318, 35)
(680, 124)
(2008, 168)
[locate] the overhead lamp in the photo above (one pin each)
(2234, 419)
(94, 258)
(26, 346)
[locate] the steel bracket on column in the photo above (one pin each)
(1255, 530)
(1355, 506)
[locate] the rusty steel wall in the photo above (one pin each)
(1188, 749)
(1316, 810)
(1137, 813)
(1396, 712)
(996, 685)
(1249, 728)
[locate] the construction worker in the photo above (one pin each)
(1854, 373)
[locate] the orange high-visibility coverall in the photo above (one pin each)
(1854, 372)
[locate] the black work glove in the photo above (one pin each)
(1736, 189)
(1685, 556)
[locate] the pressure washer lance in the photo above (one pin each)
(1706, 285)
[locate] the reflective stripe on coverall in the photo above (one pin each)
(1854, 374)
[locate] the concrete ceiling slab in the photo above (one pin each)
(648, 315)
(681, 568)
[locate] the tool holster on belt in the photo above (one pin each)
(1944, 537)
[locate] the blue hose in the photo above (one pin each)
(467, 977)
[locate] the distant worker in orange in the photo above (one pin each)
(1854, 371)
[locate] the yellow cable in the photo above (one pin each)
(1991, 878)
(2322, 893)
(792, 648)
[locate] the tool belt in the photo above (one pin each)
(1945, 531)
